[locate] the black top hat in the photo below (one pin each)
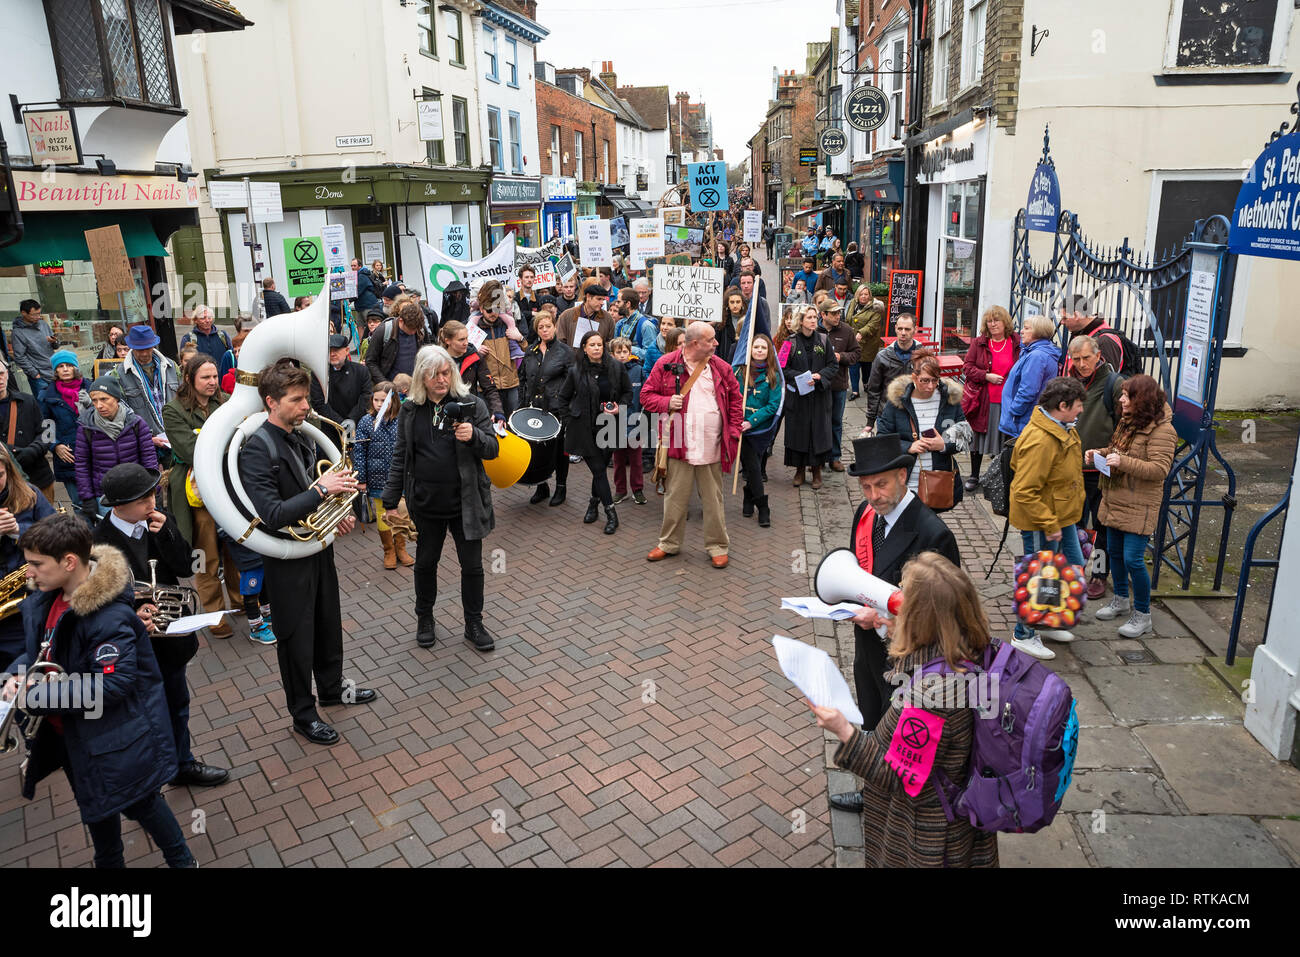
(126, 483)
(880, 453)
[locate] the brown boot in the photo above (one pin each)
(798, 477)
(817, 476)
(399, 546)
(390, 559)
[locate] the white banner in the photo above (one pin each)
(438, 269)
(594, 246)
(753, 226)
(688, 292)
(647, 240)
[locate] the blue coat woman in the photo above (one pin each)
(1040, 360)
(127, 753)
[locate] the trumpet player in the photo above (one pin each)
(276, 466)
(117, 756)
(21, 506)
(137, 529)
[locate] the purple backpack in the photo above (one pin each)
(1024, 747)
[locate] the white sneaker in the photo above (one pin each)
(1139, 623)
(1056, 634)
(1033, 647)
(1116, 607)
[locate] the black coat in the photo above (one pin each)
(28, 448)
(279, 485)
(350, 392)
(917, 530)
(276, 304)
(580, 399)
(808, 417)
(127, 753)
(898, 417)
(168, 547)
(543, 377)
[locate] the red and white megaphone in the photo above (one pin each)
(840, 578)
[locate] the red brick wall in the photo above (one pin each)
(570, 113)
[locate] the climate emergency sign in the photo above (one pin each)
(688, 293)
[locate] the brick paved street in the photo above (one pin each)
(632, 714)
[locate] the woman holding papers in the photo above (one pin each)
(903, 820)
(809, 370)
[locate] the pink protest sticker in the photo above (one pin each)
(913, 747)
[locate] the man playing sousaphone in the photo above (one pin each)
(276, 466)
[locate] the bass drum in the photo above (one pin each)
(541, 431)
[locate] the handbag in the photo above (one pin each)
(934, 487)
(661, 450)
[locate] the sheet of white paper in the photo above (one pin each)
(1099, 462)
(813, 607)
(185, 626)
(812, 672)
(581, 328)
(804, 382)
(477, 335)
(383, 406)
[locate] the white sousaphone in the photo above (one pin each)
(303, 336)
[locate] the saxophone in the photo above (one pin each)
(15, 583)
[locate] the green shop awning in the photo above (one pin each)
(53, 236)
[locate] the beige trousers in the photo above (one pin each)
(682, 479)
(206, 582)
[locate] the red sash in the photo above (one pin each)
(862, 539)
(469, 359)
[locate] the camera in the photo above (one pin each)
(456, 412)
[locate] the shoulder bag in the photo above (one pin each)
(661, 450)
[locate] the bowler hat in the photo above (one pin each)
(141, 337)
(126, 483)
(879, 453)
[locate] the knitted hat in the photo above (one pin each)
(64, 356)
(108, 383)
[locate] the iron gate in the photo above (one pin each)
(1146, 298)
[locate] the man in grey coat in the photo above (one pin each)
(149, 381)
(33, 342)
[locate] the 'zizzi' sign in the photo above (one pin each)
(937, 160)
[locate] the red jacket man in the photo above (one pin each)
(701, 429)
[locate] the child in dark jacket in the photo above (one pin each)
(108, 434)
(376, 435)
(627, 458)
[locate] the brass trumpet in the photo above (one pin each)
(9, 587)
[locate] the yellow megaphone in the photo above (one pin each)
(512, 459)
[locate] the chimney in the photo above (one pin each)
(608, 76)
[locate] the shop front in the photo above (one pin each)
(561, 193)
(514, 205)
(52, 263)
(878, 196)
(383, 210)
(954, 167)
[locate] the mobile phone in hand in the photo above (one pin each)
(930, 434)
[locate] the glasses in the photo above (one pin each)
(926, 380)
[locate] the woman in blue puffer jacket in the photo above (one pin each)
(374, 454)
(1040, 360)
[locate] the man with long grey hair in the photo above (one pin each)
(444, 433)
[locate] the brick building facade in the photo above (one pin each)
(573, 136)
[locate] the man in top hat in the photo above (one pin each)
(149, 380)
(890, 528)
(136, 528)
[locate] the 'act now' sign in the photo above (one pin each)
(708, 186)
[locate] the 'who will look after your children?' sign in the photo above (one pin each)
(688, 293)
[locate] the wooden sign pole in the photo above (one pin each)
(749, 343)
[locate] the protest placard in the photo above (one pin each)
(618, 233)
(455, 240)
(565, 268)
(688, 293)
(684, 239)
(647, 240)
(753, 226)
(304, 259)
(594, 245)
(342, 280)
(708, 183)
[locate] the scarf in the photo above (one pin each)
(69, 391)
(112, 427)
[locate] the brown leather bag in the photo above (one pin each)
(935, 488)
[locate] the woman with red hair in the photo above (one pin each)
(1139, 457)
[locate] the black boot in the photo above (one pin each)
(478, 636)
(593, 509)
(764, 516)
(611, 520)
(558, 497)
(542, 493)
(424, 633)
(747, 509)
